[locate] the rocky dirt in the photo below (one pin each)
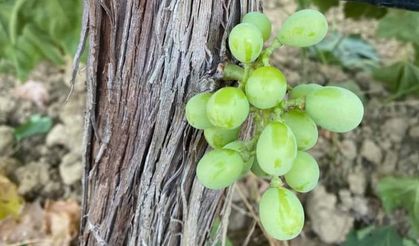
(48, 167)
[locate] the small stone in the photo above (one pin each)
(7, 105)
(32, 177)
(7, 140)
(71, 169)
(329, 223)
(371, 151)
(346, 200)
(357, 183)
(389, 163)
(360, 206)
(348, 149)
(414, 132)
(395, 128)
(8, 166)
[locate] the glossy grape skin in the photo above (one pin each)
(218, 137)
(261, 21)
(256, 170)
(196, 111)
(304, 174)
(242, 149)
(335, 108)
(304, 28)
(303, 127)
(302, 90)
(228, 108)
(245, 42)
(281, 213)
(219, 168)
(276, 149)
(266, 87)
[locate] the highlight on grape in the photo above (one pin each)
(285, 120)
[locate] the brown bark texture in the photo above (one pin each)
(146, 58)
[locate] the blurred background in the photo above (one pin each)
(369, 188)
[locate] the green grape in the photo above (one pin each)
(218, 137)
(257, 170)
(261, 21)
(303, 127)
(196, 111)
(304, 28)
(242, 148)
(245, 42)
(303, 90)
(335, 108)
(281, 213)
(266, 87)
(304, 174)
(276, 149)
(228, 108)
(219, 168)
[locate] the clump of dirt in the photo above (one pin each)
(46, 166)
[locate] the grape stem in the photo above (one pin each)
(276, 182)
(247, 68)
(266, 54)
(233, 72)
(294, 103)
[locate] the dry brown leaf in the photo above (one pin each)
(28, 227)
(61, 222)
(33, 91)
(11, 203)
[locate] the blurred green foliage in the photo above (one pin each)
(401, 193)
(401, 78)
(351, 52)
(32, 31)
(370, 236)
(36, 124)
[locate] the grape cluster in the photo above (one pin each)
(285, 120)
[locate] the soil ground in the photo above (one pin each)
(48, 167)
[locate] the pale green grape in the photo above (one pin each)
(242, 148)
(303, 127)
(266, 87)
(257, 170)
(196, 111)
(245, 42)
(276, 149)
(261, 21)
(304, 174)
(218, 137)
(335, 108)
(219, 168)
(304, 28)
(228, 108)
(303, 90)
(281, 213)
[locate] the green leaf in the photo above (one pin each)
(351, 52)
(11, 203)
(408, 242)
(325, 5)
(401, 78)
(402, 25)
(385, 236)
(34, 31)
(356, 11)
(401, 193)
(34, 126)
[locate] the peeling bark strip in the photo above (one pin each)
(146, 58)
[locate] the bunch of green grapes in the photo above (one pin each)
(285, 119)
